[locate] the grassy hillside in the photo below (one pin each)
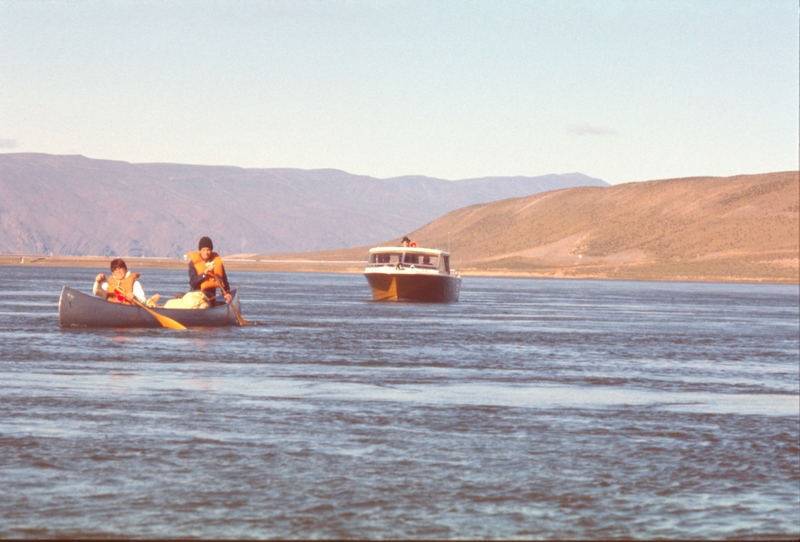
(707, 228)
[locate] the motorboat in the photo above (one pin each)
(411, 274)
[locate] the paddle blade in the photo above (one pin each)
(165, 321)
(238, 316)
(236, 313)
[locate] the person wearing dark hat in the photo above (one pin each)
(206, 271)
(406, 242)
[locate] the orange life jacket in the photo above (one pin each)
(126, 285)
(202, 267)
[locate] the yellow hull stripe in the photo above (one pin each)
(381, 294)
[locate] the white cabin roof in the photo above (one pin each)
(408, 250)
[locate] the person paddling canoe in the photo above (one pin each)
(206, 271)
(121, 286)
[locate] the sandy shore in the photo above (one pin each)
(231, 264)
(674, 271)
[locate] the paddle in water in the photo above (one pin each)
(236, 313)
(238, 316)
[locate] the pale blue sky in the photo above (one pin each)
(620, 90)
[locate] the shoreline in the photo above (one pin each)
(617, 272)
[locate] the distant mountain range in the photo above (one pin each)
(745, 227)
(76, 206)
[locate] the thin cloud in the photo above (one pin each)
(590, 129)
(8, 143)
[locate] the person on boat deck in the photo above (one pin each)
(406, 242)
(207, 273)
(121, 286)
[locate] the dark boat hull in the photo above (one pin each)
(403, 286)
(76, 309)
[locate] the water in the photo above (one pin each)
(530, 409)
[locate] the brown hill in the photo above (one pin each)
(706, 228)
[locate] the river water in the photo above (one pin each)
(530, 409)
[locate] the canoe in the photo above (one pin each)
(77, 309)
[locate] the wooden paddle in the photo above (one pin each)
(231, 305)
(236, 314)
(235, 311)
(163, 320)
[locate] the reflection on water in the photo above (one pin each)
(531, 408)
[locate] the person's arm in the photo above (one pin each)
(221, 278)
(226, 286)
(138, 292)
(100, 288)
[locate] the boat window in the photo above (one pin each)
(446, 264)
(430, 262)
(410, 259)
(384, 259)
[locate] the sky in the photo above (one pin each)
(619, 90)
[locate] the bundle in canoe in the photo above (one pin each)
(76, 309)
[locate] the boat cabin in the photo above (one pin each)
(414, 258)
